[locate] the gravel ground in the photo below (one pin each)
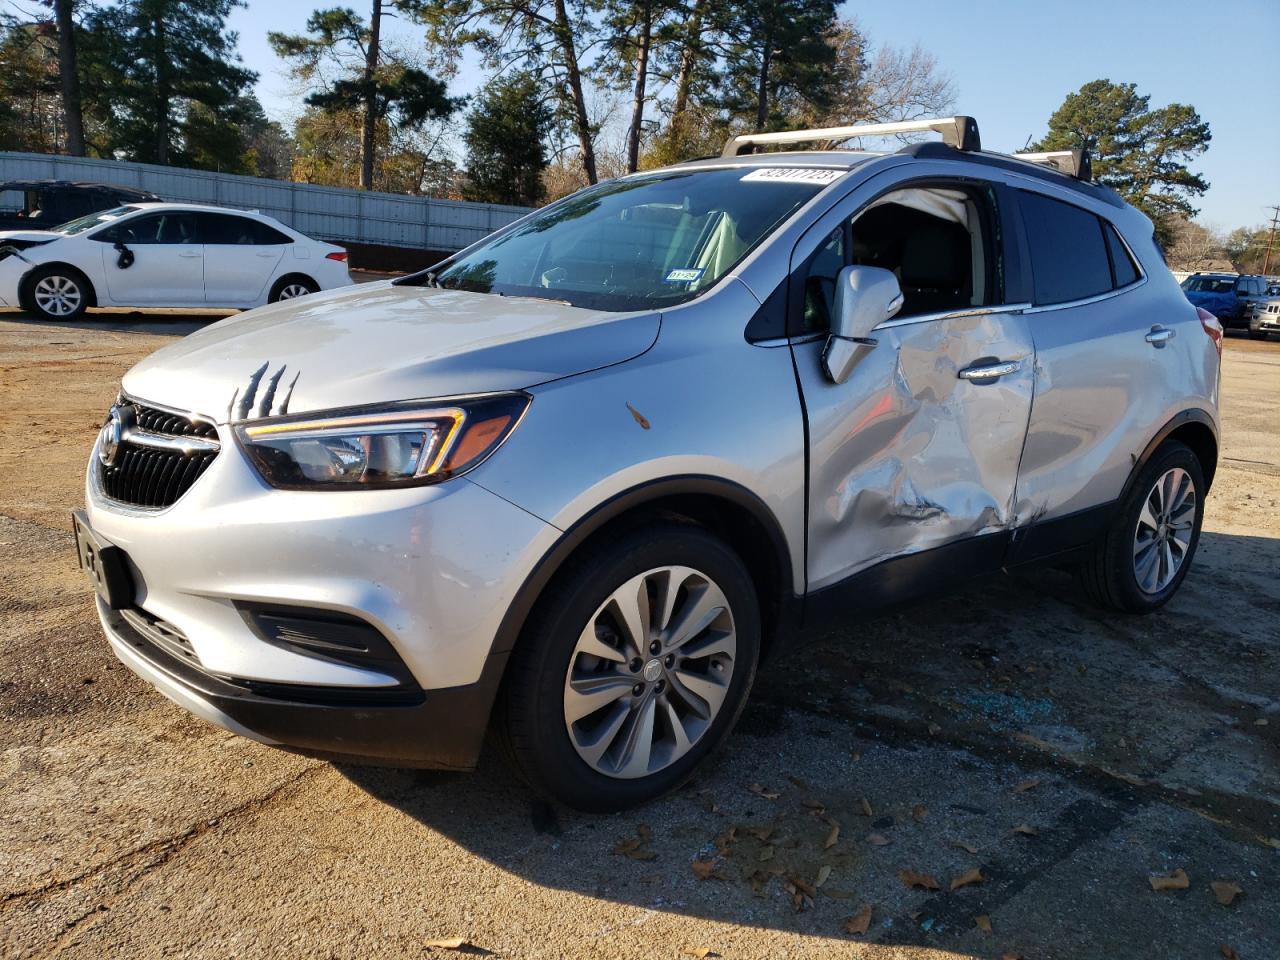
(1067, 756)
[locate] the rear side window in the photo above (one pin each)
(1123, 269)
(222, 228)
(1069, 259)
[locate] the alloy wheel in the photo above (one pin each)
(650, 672)
(1166, 524)
(291, 290)
(57, 296)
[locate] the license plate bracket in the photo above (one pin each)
(104, 563)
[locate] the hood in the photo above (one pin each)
(28, 236)
(376, 343)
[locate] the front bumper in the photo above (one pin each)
(432, 569)
(439, 729)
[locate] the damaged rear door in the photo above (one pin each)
(920, 446)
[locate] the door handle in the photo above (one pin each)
(1159, 336)
(989, 370)
(265, 253)
(190, 253)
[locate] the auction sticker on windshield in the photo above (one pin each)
(795, 175)
(684, 275)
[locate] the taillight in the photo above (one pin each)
(339, 255)
(1211, 326)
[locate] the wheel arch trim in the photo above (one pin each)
(1190, 417)
(634, 499)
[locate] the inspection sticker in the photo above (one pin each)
(684, 275)
(795, 175)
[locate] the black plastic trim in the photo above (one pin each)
(1181, 419)
(904, 578)
(326, 635)
(437, 729)
(637, 497)
(1061, 537)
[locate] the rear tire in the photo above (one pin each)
(1138, 565)
(600, 723)
(56, 292)
(291, 287)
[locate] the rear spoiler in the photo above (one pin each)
(1074, 163)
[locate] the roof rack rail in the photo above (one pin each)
(960, 132)
(1074, 163)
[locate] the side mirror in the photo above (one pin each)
(865, 298)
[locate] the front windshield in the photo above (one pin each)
(641, 242)
(81, 224)
(1209, 284)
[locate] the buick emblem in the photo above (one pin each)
(110, 437)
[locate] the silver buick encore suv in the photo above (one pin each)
(578, 482)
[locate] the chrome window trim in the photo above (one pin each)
(1096, 298)
(992, 310)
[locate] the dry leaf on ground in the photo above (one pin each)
(448, 943)
(983, 922)
(966, 878)
(1010, 956)
(1026, 785)
(966, 847)
(913, 878)
(1225, 891)
(704, 869)
(760, 791)
(1178, 880)
(1227, 952)
(866, 808)
(934, 729)
(724, 840)
(832, 837)
(1026, 830)
(766, 854)
(813, 804)
(860, 922)
(878, 840)
(633, 847)
(919, 812)
(698, 953)
(824, 871)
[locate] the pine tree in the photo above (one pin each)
(505, 139)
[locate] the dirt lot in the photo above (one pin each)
(1067, 756)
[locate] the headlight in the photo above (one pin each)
(396, 445)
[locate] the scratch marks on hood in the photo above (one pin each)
(250, 405)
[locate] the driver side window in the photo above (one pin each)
(939, 240)
(167, 228)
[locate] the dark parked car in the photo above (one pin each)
(1228, 296)
(45, 204)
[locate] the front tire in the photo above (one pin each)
(292, 287)
(1138, 565)
(633, 669)
(56, 293)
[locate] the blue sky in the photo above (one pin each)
(1013, 62)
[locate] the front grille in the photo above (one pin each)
(158, 456)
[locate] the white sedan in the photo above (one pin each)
(163, 255)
